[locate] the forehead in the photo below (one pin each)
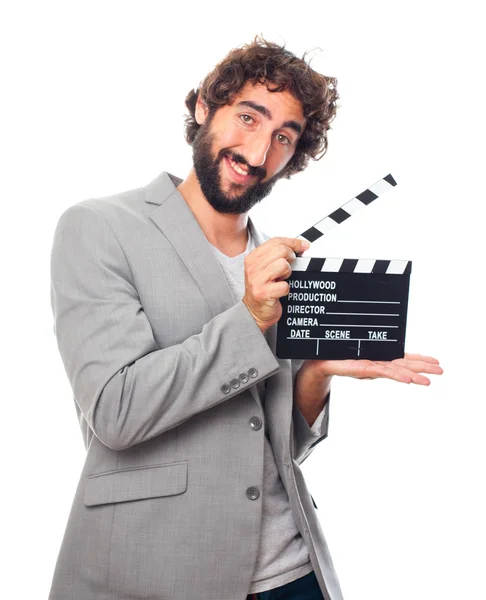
(282, 105)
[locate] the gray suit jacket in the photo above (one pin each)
(163, 366)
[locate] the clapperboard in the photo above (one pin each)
(340, 308)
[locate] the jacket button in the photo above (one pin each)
(225, 388)
(243, 377)
(252, 493)
(255, 423)
(235, 383)
(252, 372)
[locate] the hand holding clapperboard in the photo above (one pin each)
(345, 316)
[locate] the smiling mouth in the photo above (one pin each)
(237, 170)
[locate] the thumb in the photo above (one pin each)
(299, 246)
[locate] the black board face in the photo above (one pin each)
(341, 315)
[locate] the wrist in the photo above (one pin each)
(311, 390)
(262, 325)
(314, 372)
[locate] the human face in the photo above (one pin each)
(259, 132)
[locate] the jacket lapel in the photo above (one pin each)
(177, 222)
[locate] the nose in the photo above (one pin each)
(256, 150)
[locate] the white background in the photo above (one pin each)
(93, 104)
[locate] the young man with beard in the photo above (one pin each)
(165, 300)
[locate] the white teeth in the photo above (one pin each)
(237, 168)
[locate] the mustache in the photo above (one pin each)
(238, 159)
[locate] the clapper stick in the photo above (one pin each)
(350, 208)
(336, 218)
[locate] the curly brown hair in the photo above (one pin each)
(267, 62)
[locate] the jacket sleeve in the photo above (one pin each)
(128, 389)
(306, 438)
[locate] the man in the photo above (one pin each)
(165, 303)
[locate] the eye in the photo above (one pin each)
(285, 143)
(242, 117)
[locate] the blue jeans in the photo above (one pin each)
(304, 588)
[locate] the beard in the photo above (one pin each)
(241, 198)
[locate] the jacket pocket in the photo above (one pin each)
(136, 483)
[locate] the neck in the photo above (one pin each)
(227, 232)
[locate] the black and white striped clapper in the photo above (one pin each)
(339, 308)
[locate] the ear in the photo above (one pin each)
(201, 111)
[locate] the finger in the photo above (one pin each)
(419, 366)
(296, 244)
(269, 284)
(420, 379)
(278, 270)
(279, 251)
(411, 375)
(429, 359)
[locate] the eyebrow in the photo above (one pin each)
(266, 113)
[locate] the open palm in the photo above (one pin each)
(407, 370)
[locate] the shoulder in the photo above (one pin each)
(116, 210)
